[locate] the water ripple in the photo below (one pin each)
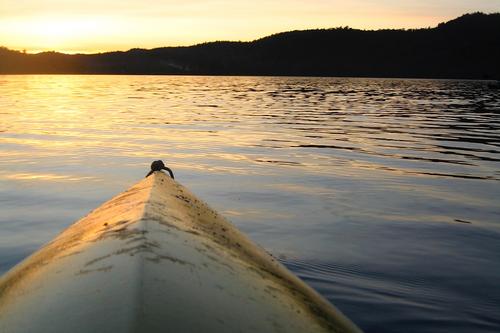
(372, 180)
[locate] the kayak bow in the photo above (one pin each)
(157, 259)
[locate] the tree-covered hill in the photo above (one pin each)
(466, 47)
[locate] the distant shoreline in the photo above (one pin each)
(464, 48)
(266, 76)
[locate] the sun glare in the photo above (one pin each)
(64, 30)
(60, 30)
(96, 26)
(59, 33)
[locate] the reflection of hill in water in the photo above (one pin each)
(467, 47)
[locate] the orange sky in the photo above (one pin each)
(97, 25)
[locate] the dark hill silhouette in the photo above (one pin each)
(466, 47)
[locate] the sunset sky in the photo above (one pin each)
(100, 25)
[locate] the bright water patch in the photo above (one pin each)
(382, 194)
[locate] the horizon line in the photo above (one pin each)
(93, 52)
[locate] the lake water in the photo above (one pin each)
(382, 194)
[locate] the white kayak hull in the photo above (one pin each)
(157, 259)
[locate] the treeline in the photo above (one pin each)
(466, 47)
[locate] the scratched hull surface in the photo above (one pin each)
(154, 259)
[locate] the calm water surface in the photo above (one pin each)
(381, 194)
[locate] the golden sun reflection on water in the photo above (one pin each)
(45, 177)
(197, 121)
(362, 175)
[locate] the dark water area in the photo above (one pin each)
(382, 194)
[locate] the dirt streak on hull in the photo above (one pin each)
(157, 259)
